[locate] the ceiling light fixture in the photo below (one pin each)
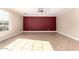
(41, 10)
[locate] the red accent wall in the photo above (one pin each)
(39, 23)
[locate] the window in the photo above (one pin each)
(4, 20)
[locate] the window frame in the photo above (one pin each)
(4, 18)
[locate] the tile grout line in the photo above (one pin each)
(33, 45)
(15, 46)
(41, 46)
(23, 46)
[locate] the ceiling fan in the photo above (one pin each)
(41, 10)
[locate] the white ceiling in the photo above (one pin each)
(34, 11)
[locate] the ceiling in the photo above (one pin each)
(34, 11)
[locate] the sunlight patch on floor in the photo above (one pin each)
(29, 45)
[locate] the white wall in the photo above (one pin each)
(68, 23)
(16, 24)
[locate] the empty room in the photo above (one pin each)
(39, 29)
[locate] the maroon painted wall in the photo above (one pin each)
(39, 23)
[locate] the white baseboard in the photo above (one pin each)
(1, 39)
(68, 36)
(39, 31)
(14, 34)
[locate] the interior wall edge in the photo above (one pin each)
(67, 35)
(1, 39)
(64, 11)
(39, 31)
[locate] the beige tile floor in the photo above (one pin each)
(40, 42)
